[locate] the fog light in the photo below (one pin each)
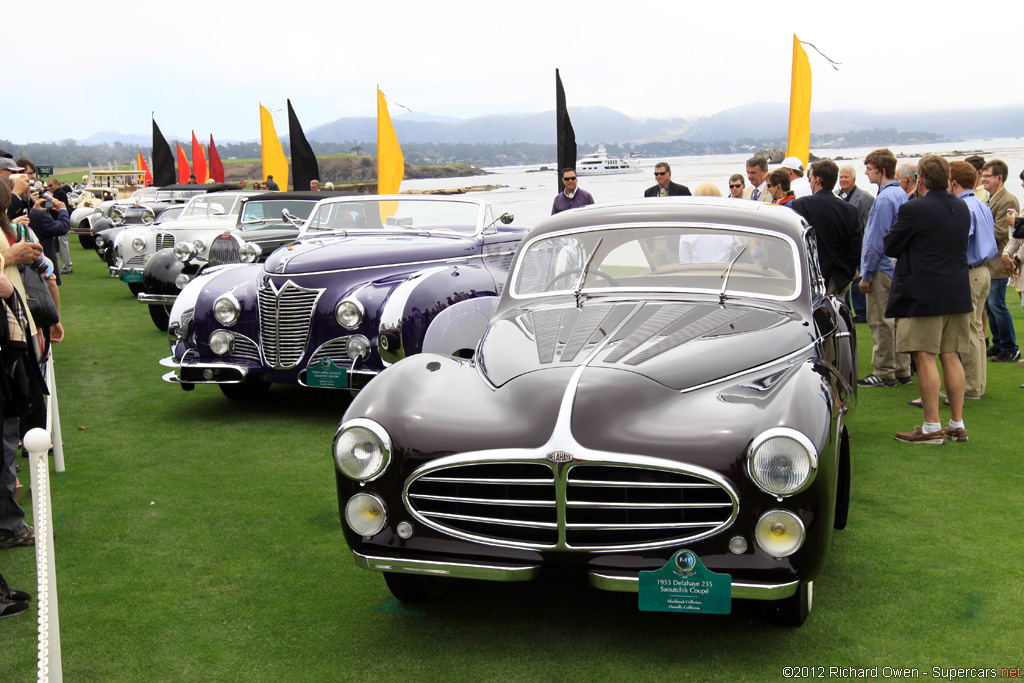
(145, 259)
(207, 373)
(404, 530)
(358, 346)
(181, 281)
(779, 533)
(221, 342)
(737, 545)
(365, 514)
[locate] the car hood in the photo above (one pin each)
(677, 344)
(360, 251)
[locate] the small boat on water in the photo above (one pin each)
(599, 163)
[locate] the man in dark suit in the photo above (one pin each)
(931, 296)
(836, 227)
(665, 186)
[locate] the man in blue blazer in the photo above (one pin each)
(931, 296)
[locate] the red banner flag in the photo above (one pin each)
(184, 170)
(199, 161)
(216, 168)
(141, 160)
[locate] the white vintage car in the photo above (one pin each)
(201, 219)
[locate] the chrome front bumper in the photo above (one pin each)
(162, 299)
(203, 373)
(620, 582)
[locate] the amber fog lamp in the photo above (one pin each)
(362, 449)
(365, 514)
(782, 461)
(779, 533)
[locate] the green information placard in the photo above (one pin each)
(326, 374)
(685, 585)
(131, 276)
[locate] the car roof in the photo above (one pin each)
(208, 187)
(703, 210)
(304, 194)
(401, 198)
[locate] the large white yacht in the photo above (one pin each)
(599, 163)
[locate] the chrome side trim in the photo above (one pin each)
(760, 368)
(459, 570)
(741, 590)
(165, 299)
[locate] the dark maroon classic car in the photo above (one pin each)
(662, 385)
(369, 281)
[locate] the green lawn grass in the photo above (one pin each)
(197, 539)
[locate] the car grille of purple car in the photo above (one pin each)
(164, 240)
(224, 249)
(284, 323)
(585, 506)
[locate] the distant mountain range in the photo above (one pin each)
(600, 124)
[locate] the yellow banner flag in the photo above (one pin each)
(390, 162)
(275, 165)
(799, 144)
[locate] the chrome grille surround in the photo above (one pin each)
(335, 349)
(164, 240)
(245, 349)
(224, 249)
(598, 503)
(285, 316)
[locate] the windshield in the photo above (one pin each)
(212, 205)
(256, 212)
(171, 195)
(446, 216)
(660, 258)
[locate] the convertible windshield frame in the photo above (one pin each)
(363, 220)
(568, 288)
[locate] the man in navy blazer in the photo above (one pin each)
(931, 296)
(836, 226)
(665, 186)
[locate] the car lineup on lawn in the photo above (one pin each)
(649, 394)
(657, 404)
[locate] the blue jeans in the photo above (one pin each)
(999, 319)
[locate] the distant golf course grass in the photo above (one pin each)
(197, 539)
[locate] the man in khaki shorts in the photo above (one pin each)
(931, 297)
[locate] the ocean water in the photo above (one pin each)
(528, 193)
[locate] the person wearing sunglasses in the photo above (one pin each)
(665, 186)
(738, 188)
(571, 197)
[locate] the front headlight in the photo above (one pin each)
(366, 514)
(181, 280)
(148, 216)
(221, 342)
(183, 251)
(226, 309)
(199, 245)
(779, 533)
(139, 244)
(250, 252)
(782, 461)
(349, 314)
(358, 346)
(101, 241)
(117, 216)
(362, 449)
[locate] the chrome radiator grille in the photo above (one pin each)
(245, 349)
(336, 350)
(164, 240)
(224, 249)
(582, 506)
(284, 323)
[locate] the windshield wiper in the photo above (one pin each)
(583, 274)
(727, 273)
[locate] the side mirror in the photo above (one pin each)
(506, 218)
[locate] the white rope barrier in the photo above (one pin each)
(37, 444)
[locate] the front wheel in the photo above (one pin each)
(87, 241)
(416, 588)
(791, 611)
(248, 388)
(161, 316)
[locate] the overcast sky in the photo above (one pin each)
(205, 66)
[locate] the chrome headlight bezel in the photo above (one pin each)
(226, 309)
(100, 241)
(354, 462)
(782, 473)
(357, 347)
(221, 342)
(184, 251)
(148, 216)
(117, 216)
(139, 244)
(250, 252)
(199, 245)
(349, 313)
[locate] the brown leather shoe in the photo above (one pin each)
(917, 436)
(958, 434)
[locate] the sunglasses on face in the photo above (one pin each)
(566, 180)
(735, 187)
(660, 173)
